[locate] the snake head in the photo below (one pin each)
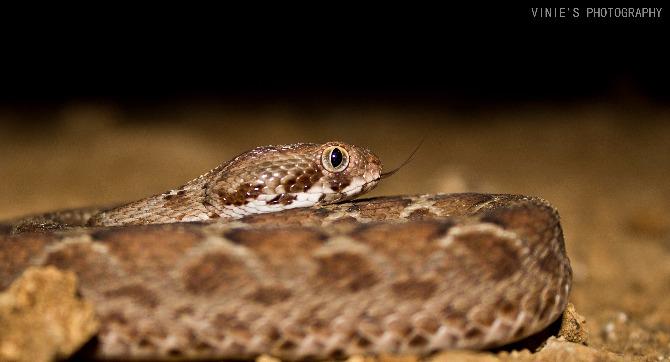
(347, 171)
(273, 178)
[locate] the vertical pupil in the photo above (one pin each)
(335, 157)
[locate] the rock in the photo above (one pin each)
(573, 326)
(42, 317)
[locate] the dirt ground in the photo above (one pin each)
(605, 166)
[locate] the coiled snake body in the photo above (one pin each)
(211, 270)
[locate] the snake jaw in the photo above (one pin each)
(359, 188)
(356, 188)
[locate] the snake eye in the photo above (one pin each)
(335, 159)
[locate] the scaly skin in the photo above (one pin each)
(405, 274)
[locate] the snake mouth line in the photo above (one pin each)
(367, 186)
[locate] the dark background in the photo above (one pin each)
(456, 55)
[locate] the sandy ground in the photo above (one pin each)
(605, 166)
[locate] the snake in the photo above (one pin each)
(270, 253)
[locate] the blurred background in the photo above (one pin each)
(103, 111)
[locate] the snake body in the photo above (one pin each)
(224, 267)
